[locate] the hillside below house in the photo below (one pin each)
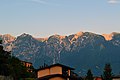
(6, 77)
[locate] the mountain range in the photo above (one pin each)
(82, 51)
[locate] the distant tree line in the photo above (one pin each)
(107, 73)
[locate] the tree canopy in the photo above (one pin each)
(107, 73)
(89, 75)
(12, 66)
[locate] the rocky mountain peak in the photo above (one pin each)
(42, 39)
(58, 36)
(115, 33)
(78, 34)
(56, 39)
(24, 35)
(108, 37)
(7, 38)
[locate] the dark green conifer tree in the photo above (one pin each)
(89, 75)
(4, 68)
(12, 66)
(107, 73)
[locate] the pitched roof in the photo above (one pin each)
(63, 66)
(26, 62)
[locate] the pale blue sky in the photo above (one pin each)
(42, 18)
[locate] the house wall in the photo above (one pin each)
(68, 72)
(101, 79)
(51, 71)
(56, 70)
(57, 78)
(116, 79)
(98, 78)
(44, 72)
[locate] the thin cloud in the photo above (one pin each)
(113, 1)
(45, 2)
(40, 1)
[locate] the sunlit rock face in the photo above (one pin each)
(108, 37)
(7, 40)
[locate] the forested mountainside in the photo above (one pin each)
(82, 51)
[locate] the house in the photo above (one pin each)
(28, 65)
(55, 72)
(116, 77)
(97, 78)
(113, 78)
